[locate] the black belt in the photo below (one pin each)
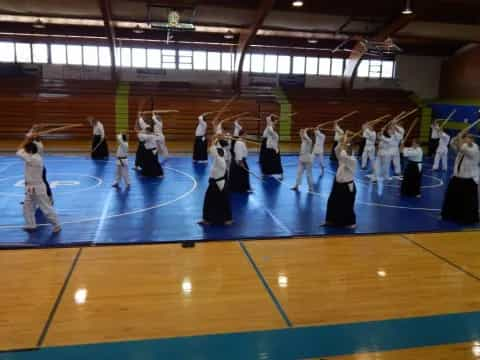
(415, 162)
(122, 158)
(219, 179)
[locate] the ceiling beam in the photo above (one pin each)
(106, 8)
(359, 49)
(246, 38)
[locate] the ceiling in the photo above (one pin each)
(439, 27)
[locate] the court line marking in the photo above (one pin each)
(449, 262)
(276, 302)
(59, 299)
(157, 206)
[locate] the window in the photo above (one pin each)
(139, 58)
(324, 65)
(213, 61)
(246, 63)
(185, 59)
(312, 66)
(271, 64)
(169, 59)
(200, 60)
(59, 54)
(227, 62)
(23, 53)
(40, 53)
(104, 56)
(375, 69)
(362, 70)
(90, 55)
(298, 65)
(257, 63)
(125, 57)
(154, 58)
(74, 54)
(284, 64)
(337, 67)
(7, 52)
(387, 69)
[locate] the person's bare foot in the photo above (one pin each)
(354, 226)
(203, 222)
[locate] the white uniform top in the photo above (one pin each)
(306, 149)
(269, 125)
(370, 138)
(346, 166)
(272, 139)
(122, 149)
(338, 133)
(142, 124)
(443, 142)
(240, 150)
(149, 139)
(397, 139)
(385, 145)
(157, 125)
(201, 129)
(33, 170)
(414, 154)
(435, 131)
(319, 142)
(98, 129)
(236, 128)
(219, 167)
(227, 151)
(466, 163)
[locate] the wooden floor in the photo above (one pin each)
(90, 295)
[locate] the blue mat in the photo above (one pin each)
(167, 210)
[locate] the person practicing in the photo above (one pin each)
(441, 155)
(341, 202)
(99, 143)
(263, 147)
(460, 204)
(337, 138)
(318, 148)
(397, 134)
(434, 137)
(158, 131)
(151, 167)
(200, 148)
(141, 127)
(237, 127)
(305, 161)
(368, 155)
(38, 141)
(412, 175)
(272, 162)
(381, 170)
(122, 162)
(35, 189)
(216, 206)
(239, 176)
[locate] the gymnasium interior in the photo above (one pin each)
(134, 274)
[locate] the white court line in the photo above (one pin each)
(178, 198)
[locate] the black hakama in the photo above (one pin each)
(239, 177)
(263, 148)
(340, 205)
(200, 152)
(432, 146)
(333, 155)
(151, 167)
(461, 201)
(272, 163)
(99, 148)
(216, 206)
(412, 179)
(140, 155)
(47, 185)
(361, 148)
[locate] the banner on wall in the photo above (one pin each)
(464, 115)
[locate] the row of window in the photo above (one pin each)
(186, 60)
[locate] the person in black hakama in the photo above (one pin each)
(263, 147)
(99, 143)
(216, 206)
(434, 137)
(341, 202)
(151, 166)
(272, 162)
(460, 204)
(141, 126)
(239, 177)
(200, 151)
(412, 175)
(337, 139)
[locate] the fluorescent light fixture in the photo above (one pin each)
(408, 8)
(229, 35)
(297, 3)
(39, 24)
(312, 41)
(138, 30)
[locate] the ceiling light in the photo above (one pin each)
(81, 296)
(39, 24)
(229, 35)
(408, 8)
(312, 41)
(297, 3)
(138, 30)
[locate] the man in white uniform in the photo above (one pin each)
(158, 131)
(369, 150)
(441, 155)
(305, 160)
(122, 162)
(318, 148)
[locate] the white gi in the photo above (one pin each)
(269, 124)
(305, 161)
(219, 167)
(370, 137)
(35, 191)
(318, 148)
(395, 149)
(98, 129)
(338, 134)
(441, 155)
(240, 150)
(435, 131)
(466, 162)
(158, 131)
(346, 167)
(414, 154)
(272, 138)
(201, 129)
(236, 128)
(150, 141)
(122, 162)
(384, 158)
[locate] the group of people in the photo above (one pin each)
(230, 172)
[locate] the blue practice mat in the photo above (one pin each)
(167, 210)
